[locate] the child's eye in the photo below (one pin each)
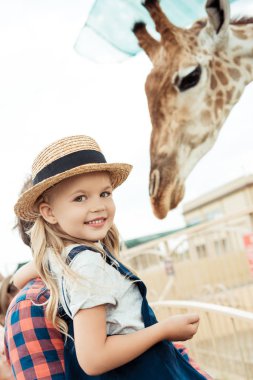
(80, 198)
(106, 194)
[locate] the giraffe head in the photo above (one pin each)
(198, 75)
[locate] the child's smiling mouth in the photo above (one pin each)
(96, 222)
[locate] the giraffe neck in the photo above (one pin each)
(231, 71)
(241, 49)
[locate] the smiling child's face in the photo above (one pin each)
(81, 206)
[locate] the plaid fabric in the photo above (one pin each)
(34, 348)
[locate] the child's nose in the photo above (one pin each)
(97, 205)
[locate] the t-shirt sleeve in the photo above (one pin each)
(96, 285)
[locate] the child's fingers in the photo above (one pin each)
(193, 318)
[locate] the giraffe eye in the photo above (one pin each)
(190, 80)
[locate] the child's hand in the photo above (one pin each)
(5, 369)
(180, 327)
(24, 274)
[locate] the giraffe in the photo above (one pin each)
(198, 75)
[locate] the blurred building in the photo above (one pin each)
(231, 198)
(233, 204)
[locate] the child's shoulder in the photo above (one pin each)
(85, 255)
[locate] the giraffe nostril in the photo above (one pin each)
(154, 183)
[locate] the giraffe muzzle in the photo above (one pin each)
(166, 197)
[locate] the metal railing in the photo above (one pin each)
(205, 269)
(223, 345)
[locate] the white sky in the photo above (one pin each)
(47, 91)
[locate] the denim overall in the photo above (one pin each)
(161, 362)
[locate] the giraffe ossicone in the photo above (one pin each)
(198, 75)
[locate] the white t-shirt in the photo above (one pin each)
(101, 284)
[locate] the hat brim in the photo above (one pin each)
(25, 206)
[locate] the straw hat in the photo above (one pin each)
(63, 159)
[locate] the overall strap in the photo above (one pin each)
(74, 251)
(71, 255)
(147, 313)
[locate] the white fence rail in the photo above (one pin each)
(223, 345)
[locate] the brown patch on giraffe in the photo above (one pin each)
(218, 64)
(222, 77)
(234, 73)
(214, 82)
(219, 103)
(237, 61)
(229, 94)
(241, 34)
(206, 117)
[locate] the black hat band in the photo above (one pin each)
(68, 162)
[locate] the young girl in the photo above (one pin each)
(75, 246)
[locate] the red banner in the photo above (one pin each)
(248, 244)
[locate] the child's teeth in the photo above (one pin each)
(96, 221)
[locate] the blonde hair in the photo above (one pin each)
(44, 235)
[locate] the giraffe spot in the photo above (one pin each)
(234, 73)
(219, 94)
(219, 103)
(222, 77)
(237, 60)
(216, 113)
(229, 95)
(203, 139)
(217, 63)
(205, 116)
(213, 82)
(241, 34)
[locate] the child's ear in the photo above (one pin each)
(47, 213)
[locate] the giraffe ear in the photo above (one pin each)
(218, 12)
